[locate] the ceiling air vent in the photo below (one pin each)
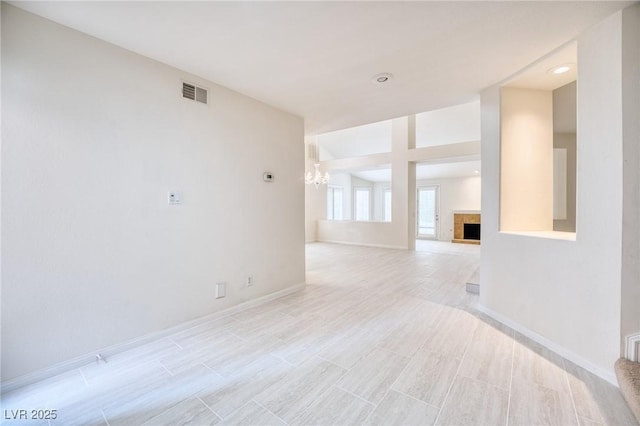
(193, 92)
(201, 95)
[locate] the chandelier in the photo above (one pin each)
(316, 178)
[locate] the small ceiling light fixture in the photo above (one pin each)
(382, 78)
(561, 69)
(476, 171)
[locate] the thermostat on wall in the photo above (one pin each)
(267, 176)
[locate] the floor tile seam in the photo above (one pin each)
(84, 379)
(245, 340)
(115, 375)
(337, 365)
(259, 322)
(296, 368)
(414, 398)
(531, 383)
(247, 369)
(289, 363)
(549, 357)
(344, 373)
(172, 405)
(598, 422)
(392, 386)
(409, 357)
(175, 343)
(170, 337)
(478, 379)
(304, 410)
(103, 416)
(513, 356)
(441, 354)
(340, 386)
(323, 347)
(424, 345)
(375, 406)
(166, 368)
(167, 382)
(573, 400)
(444, 401)
(194, 355)
(205, 343)
(123, 365)
(269, 411)
(211, 409)
(220, 376)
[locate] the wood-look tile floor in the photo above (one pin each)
(378, 337)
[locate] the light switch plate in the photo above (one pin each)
(174, 197)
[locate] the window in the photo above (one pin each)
(362, 203)
(387, 205)
(334, 202)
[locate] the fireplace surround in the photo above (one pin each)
(466, 227)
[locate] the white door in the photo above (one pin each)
(427, 212)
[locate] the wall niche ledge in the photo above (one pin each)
(552, 235)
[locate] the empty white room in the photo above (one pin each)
(322, 213)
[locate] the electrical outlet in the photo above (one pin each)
(221, 290)
(249, 281)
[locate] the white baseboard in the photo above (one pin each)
(109, 351)
(351, 243)
(632, 349)
(609, 376)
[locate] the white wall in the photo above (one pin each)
(526, 160)
(567, 141)
(630, 319)
(564, 137)
(1, 149)
(93, 138)
(459, 123)
(356, 141)
(456, 194)
(564, 108)
(567, 292)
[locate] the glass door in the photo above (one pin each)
(427, 212)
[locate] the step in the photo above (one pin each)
(628, 373)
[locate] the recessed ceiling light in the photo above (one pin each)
(561, 69)
(382, 78)
(476, 171)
